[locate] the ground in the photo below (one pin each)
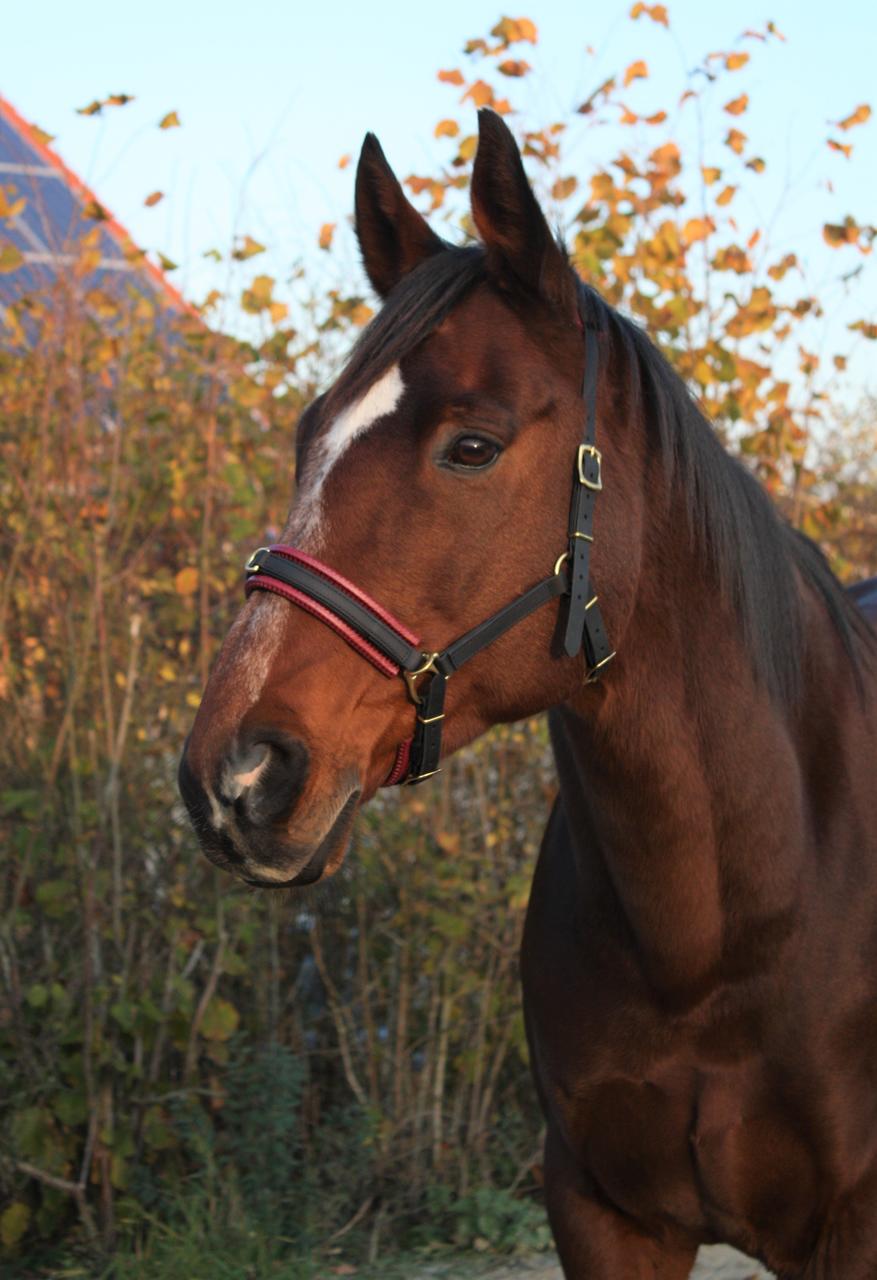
(716, 1263)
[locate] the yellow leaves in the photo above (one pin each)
(186, 581)
(846, 148)
(220, 1020)
(167, 672)
(657, 13)
(480, 92)
(697, 229)
(514, 67)
(95, 107)
(467, 148)
(327, 231)
(778, 269)
(11, 208)
(636, 71)
(756, 164)
(169, 121)
(754, 316)
(42, 135)
(710, 175)
(849, 232)
(513, 30)
(446, 129)
(14, 1221)
(808, 361)
(451, 77)
(735, 61)
(732, 258)
(564, 188)
(735, 140)
(260, 297)
(96, 212)
(153, 198)
(246, 248)
(737, 106)
(166, 263)
(725, 196)
(861, 114)
(866, 328)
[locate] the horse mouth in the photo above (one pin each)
(326, 858)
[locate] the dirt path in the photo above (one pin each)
(716, 1263)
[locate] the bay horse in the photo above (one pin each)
(513, 468)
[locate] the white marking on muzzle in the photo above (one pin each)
(305, 526)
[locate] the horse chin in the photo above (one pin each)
(294, 864)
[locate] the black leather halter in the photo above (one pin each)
(394, 650)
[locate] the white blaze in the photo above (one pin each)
(379, 401)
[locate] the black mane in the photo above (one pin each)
(755, 554)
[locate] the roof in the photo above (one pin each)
(48, 229)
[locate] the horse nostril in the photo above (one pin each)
(264, 779)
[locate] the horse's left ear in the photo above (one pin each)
(518, 240)
(393, 236)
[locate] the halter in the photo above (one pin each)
(395, 651)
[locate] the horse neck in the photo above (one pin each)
(681, 781)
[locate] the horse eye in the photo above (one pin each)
(472, 452)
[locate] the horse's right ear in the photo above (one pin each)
(393, 236)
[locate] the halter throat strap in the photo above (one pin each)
(394, 650)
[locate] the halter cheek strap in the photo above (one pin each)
(394, 650)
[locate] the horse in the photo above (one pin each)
(510, 464)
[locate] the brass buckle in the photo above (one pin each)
(592, 451)
(593, 675)
(249, 567)
(410, 676)
(560, 561)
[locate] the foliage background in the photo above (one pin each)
(196, 1079)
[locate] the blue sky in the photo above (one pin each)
(272, 94)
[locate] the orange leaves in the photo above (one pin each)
(732, 258)
(96, 107)
(564, 188)
(725, 196)
(480, 93)
(344, 160)
(846, 148)
(514, 67)
(451, 77)
(697, 229)
(710, 175)
(246, 248)
(636, 71)
(513, 30)
(737, 106)
(186, 581)
(169, 121)
(866, 328)
(153, 198)
(849, 232)
(861, 114)
(327, 231)
(657, 13)
(734, 61)
(658, 117)
(754, 316)
(446, 129)
(603, 90)
(735, 140)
